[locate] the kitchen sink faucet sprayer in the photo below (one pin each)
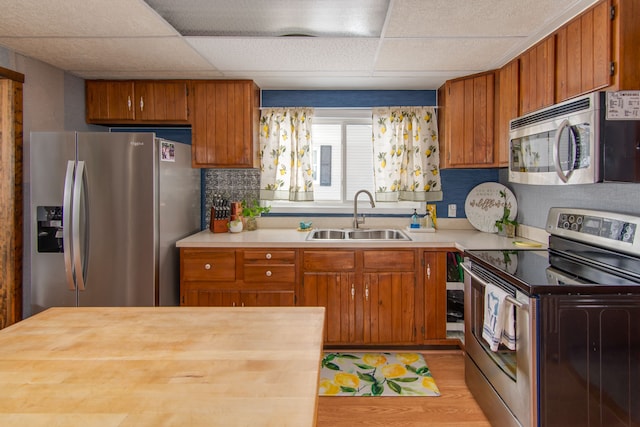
(357, 221)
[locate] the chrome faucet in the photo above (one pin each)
(356, 220)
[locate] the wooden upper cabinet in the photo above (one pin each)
(140, 101)
(583, 53)
(537, 76)
(109, 101)
(466, 121)
(161, 101)
(224, 123)
(507, 108)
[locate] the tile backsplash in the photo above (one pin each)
(233, 184)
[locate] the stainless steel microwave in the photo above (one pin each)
(588, 139)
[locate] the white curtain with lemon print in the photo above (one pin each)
(406, 158)
(286, 154)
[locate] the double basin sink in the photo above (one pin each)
(357, 234)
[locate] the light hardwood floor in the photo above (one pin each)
(454, 407)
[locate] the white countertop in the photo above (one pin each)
(291, 238)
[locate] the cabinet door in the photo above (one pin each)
(224, 123)
(197, 296)
(266, 299)
(109, 101)
(435, 295)
(537, 76)
(584, 53)
(467, 137)
(158, 101)
(389, 308)
(336, 291)
(507, 108)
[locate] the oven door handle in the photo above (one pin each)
(509, 298)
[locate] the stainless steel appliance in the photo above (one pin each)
(105, 212)
(588, 139)
(577, 318)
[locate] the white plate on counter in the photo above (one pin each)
(484, 206)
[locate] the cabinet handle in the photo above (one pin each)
(353, 291)
(233, 304)
(428, 271)
(129, 102)
(268, 256)
(268, 273)
(366, 292)
(207, 266)
(141, 104)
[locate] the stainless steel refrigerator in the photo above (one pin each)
(105, 212)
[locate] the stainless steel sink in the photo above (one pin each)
(377, 235)
(327, 235)
(360, 234)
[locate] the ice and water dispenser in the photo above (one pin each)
(49, 220)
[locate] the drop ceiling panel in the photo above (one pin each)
(446, 18)
(74, 18)
(121, 54)
(442, 54)
(287, 53)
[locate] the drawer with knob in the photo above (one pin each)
(208, 265)
(270, 273)
(269, 256)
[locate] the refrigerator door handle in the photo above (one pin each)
(80, 261)
(66, 226)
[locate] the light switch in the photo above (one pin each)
(452, 210)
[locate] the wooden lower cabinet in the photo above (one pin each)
(377, 297)
(369, 295)
(237, 277)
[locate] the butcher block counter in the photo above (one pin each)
(162, 366)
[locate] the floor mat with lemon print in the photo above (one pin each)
(376, 374)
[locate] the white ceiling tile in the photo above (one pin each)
(441, 54)
(77, 18)
(287, 53)
(447, 18)
(112, 54)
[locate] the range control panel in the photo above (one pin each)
(598, 226)
(606, 229)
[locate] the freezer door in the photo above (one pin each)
(119, 215)
(179, 214)
(49, 155)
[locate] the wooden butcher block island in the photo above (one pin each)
(163, 366)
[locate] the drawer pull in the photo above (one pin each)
(207, 266)
(268, 256)
(268, 273)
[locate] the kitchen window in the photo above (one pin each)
(342, 163)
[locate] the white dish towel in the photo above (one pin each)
(499, 319)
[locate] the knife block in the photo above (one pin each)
(218, 225)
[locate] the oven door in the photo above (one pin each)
(511, 375)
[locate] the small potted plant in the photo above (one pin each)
(251, 210)
(505, 225)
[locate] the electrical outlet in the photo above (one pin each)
(452, 211)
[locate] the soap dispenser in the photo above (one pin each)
(415, 222)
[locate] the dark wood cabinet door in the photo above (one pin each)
(109, 101)
(224, 123)
(537, 76)
(508, 95)
(583, 57)
(435, 295)
(389, 308)
(337, 292)
(467, 124)
(160, 101)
